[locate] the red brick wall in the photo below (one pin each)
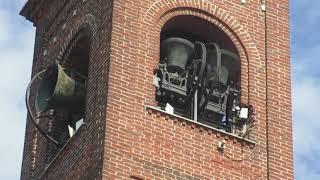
(147, 145)
(57, 24)
(279, 91)
(124, 139)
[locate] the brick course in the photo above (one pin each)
(124, 139)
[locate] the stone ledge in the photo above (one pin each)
(201, 126)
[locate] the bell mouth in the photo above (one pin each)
(46, 88)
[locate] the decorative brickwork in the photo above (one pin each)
(54, 38)
(124, 137)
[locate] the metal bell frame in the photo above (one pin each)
(216, 91)
(175, 79)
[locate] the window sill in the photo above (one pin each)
(219, 132)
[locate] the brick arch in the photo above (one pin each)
(202, 8)
(161, 11)
(87, 23)
(242, 53)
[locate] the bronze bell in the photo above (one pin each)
(231, 62)
(217, 75)
(58, 90)
(177, 52)
(220, 64)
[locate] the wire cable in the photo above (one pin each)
(241, 159)
(33, 119)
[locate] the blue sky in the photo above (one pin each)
(16, 50)
(305, 54)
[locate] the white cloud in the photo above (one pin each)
(306, 100)
(4, 31)
(306, 125)
(16, 50)
(304, 172)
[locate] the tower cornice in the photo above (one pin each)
(31, 9)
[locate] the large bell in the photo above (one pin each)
(216, 74)
(220, 64)
(177, 52)
(231, 63)
(59, 90)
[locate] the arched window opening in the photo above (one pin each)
(56, 96)
(199, 74)
(78, 58)
(65, 89)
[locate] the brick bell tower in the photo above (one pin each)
(159, 89)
